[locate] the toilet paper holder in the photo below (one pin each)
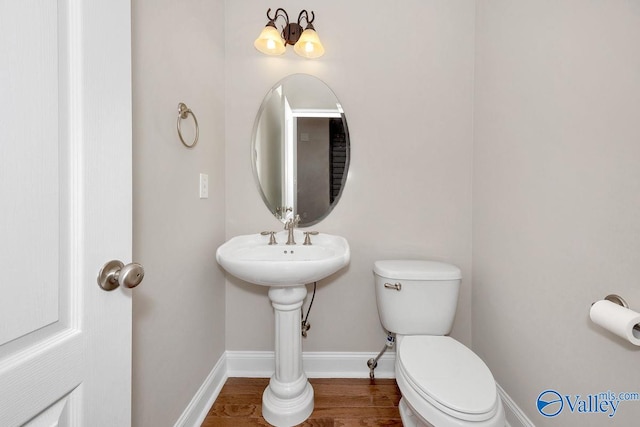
(617, 299)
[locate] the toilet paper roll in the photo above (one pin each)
(616, 319)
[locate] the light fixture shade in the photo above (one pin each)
(269, 41)
(308, 45)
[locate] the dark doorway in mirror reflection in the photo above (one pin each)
(322, 159)
(337, 157)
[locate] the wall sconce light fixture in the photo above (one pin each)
(305, 43)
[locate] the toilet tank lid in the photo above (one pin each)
(416, 270)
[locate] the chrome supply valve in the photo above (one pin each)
(272, 236)
(373, 362)
(305, 327)
(307, 238)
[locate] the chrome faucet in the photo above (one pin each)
(290, 225)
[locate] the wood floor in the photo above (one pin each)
(338, 402)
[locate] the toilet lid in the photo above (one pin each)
(416, 270)
(450, 374)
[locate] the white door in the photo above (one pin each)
(65, 210)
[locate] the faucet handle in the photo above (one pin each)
(272, 236)
(307, 238)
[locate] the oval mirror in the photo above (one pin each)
(300, 149)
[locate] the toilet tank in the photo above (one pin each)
(416, 297)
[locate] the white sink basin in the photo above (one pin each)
(253, 260)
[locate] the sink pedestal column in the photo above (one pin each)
(288, 400)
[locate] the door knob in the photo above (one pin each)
(115, 273)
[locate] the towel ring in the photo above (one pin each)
(183, 112)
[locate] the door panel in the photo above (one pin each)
(30, 169)
(65, 189)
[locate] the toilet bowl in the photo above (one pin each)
(442, 382)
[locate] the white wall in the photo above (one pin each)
(179, 312)
(556, 219)
(408, 102)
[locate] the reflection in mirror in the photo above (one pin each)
(300, 149)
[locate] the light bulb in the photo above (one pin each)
(270, 42)
(309, 45)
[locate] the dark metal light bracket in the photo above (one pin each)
(292, 30)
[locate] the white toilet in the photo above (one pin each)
(443, 383)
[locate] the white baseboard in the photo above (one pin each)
(250, 364)
(514, 415)
(261, 364)
(195, 413)
(347, 365)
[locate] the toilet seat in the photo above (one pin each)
(447, 375)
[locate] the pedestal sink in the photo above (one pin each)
(288, 400)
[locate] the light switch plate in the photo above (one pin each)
(204, 186)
